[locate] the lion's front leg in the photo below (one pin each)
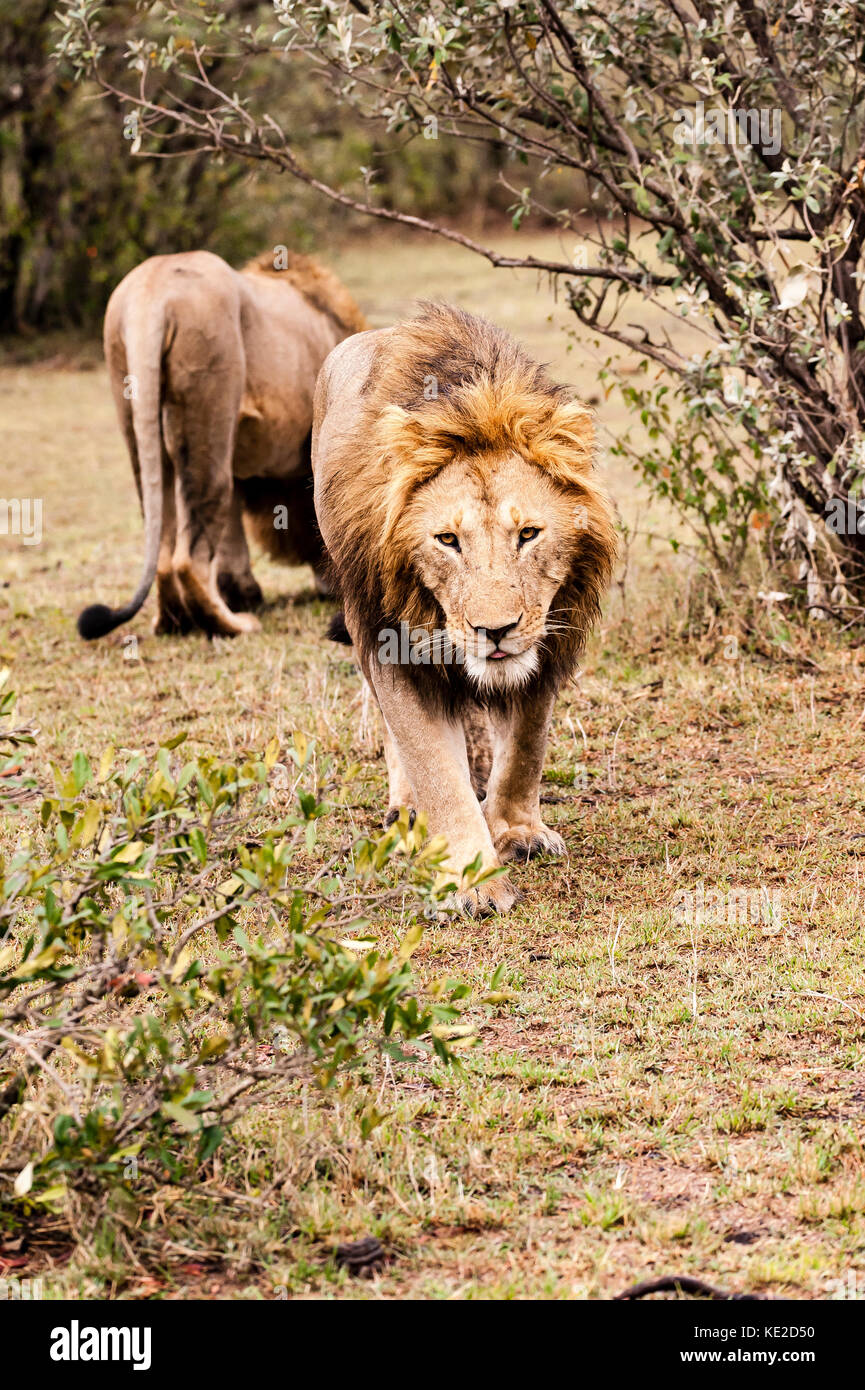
(432, 758)
(513, 806)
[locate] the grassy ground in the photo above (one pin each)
(657, 1096)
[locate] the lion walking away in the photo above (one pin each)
(471, 543)
(213, 375)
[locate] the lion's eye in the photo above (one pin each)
(449, 539)
(528, 533)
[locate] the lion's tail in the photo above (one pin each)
(144, 368)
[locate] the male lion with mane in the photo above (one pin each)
(213, 372)
(455, 491)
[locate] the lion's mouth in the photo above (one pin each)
(486, 651)
(500, 669)
(498, 653)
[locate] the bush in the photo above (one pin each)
(167, 960)
(16, 787)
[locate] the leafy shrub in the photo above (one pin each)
(15, 785)
(168, 959)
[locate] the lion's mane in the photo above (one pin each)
(447, 384)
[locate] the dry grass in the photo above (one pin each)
(655, 1097)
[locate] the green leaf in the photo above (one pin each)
(187, 1119)
(411, 941)
(81, 772)
(198, 845)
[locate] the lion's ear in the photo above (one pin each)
(413, 454)
(566, 445)
(573, 417)
(398, 432)
(421, 443)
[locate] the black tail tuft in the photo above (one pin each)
(337, 630)
(97, 620)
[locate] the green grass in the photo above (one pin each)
(652, 1097)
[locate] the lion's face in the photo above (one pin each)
(493, 540)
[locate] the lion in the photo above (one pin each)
(213, 372)
(470, 543)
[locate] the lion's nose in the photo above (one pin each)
(495, 634)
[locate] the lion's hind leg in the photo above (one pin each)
(479, 746)
(204, 374)
(204, 500)
(172, 615)
(237, 584)
(399, 789)
(201, 596)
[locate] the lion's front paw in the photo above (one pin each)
(527, 842)
(496, 895)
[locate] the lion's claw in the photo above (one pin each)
(496, 895)
(522, 842)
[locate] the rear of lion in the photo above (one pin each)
(213, 374)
